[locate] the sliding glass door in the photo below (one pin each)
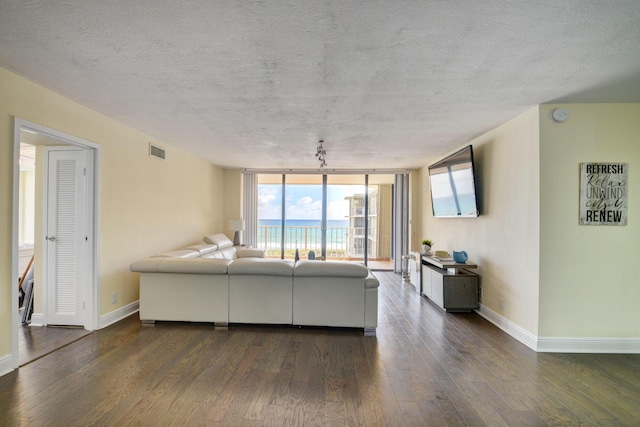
(345, 207)
(303, 216)
(333, 216)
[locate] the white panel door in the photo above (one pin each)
(66, 236)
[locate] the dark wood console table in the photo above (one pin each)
(449, 284)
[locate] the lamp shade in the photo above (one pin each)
(236, 224)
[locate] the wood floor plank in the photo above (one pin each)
(37, 341)
(223, 403)
(423, 367)
(260, 403)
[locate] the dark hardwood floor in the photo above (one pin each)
(424, 368)
(37, 341)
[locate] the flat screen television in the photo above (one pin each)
(453, 186)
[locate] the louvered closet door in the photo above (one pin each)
(66, 237)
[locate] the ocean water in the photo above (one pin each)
(447, 205)
(302, 234)
(338, 223)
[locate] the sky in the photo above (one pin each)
(305, 201)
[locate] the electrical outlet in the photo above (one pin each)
(114, 297)
(501, 303)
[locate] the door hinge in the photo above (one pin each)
(83, 305)
(84, 171)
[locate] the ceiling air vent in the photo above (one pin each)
(157, 152)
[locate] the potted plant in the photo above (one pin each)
(426, 245)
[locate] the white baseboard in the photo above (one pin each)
(589, 345)
(37, 319)
(525, 337)
(561, 344)
(119, 314)
(7, 364)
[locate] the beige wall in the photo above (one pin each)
(147, 205)
(589, 275)
(503, 240)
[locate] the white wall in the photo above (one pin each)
(504, 239)
(589, 275)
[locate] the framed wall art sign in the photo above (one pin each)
(603, 193)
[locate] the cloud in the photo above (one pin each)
(305, 201)
(338, 209)
(265, 199)
(305, 208)
(269, 202)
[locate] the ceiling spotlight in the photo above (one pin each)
(321, 153)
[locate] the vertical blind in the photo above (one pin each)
(401, 220)
(250, 208)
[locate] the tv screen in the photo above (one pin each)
(453, 188)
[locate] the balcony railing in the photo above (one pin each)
(307, 239)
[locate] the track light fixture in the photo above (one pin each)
(321, 153)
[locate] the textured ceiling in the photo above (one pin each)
(386, 84)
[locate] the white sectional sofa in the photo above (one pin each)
(217, 282)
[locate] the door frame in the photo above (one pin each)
(92, 294)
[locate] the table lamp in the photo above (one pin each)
(236, 225)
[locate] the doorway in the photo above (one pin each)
(39, 141)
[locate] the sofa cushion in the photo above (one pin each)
(226, 253)
(218, 239)
(194, 266)
(214, 255)
(229, 253)
(249, 253)
(330, 269)
(203, 249)
(261, 266)
(179, 253)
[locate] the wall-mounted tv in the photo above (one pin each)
(453, 186)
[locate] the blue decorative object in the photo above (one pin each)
(460, 257)
(312, 255)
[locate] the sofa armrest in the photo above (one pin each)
(371, 281)
(147, 265)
